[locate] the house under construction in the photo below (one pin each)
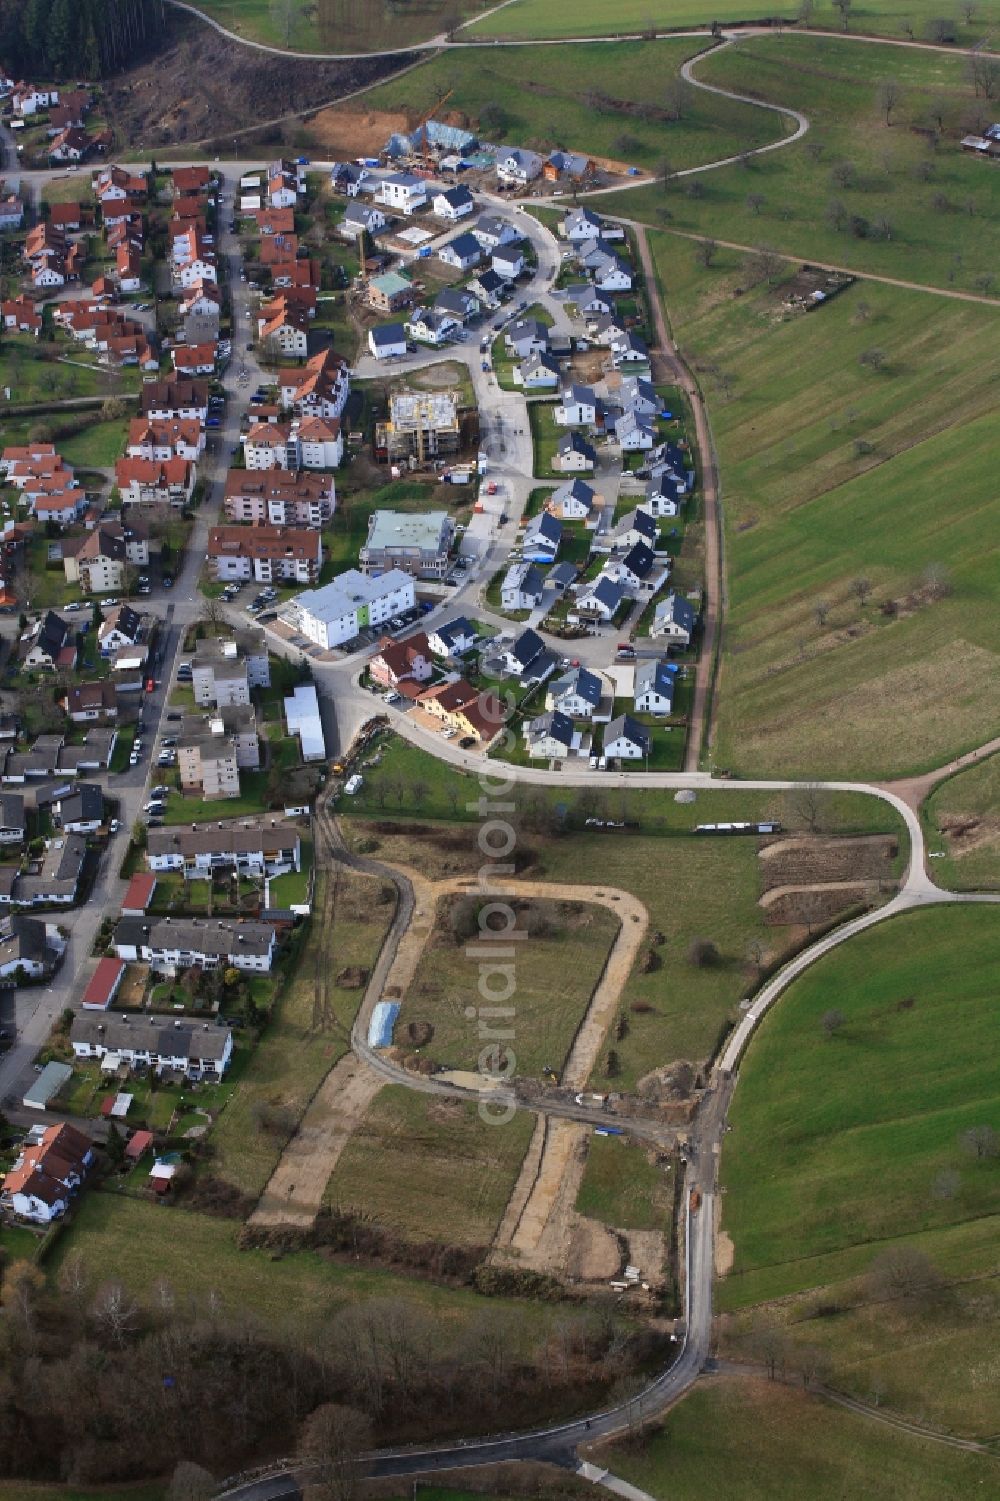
(422, 425)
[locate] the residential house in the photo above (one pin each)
(490, 289)
(387, 342)
(25, 946)
(629, 351)
(404, 192)
(567, 164)
(150, 482)
(399, 662)
(267, 554)
(634, 433)
(463, 252)
(542, 537)
(49, 644)
(13, 823)
(362, 218)
(526, 657)
(581, 224)
(453, 204)
(576, 693)
(636, 569)
(601, 599)
(47, 1174)
(208, 760)
(90, 703)
(318, 389)
(272, 847)
(625, 739)
(490, 230)
(573, 501)
(418, 543)
(163, 399)
(516, 167)
(54, 881)
(280, 497)
(508, 260)
(638, 395)
(653, 691)
(99, 561)
(521, 588)
(664, 496)
(636, 526)
(539, 372)
(586, 301)
(525, 337)
(452, 639)
(577, 407)
(574, 455)
(176, 438)
(674, 620)
(457, 301)
(194, 1050)
(433, 325)
(226, 670)
(80, 811)
(550, 736)
(351, 603)
(19, 316)
(171, 945)
(467, 710)
(121, 626)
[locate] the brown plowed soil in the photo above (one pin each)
(355, 132)
(808, 906)
(809, 859)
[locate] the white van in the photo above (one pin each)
(354, 785)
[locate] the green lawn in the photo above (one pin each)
(623, 1188)
(556, 972)
(963, 814)
(546, 436)
(941, 208)
(24, 1490)
(47, 584)
(38, 371)
(299, 1047)
(97, 447)
(833, 471)
(756, 1440)
(123, 746)
(844, 1146)
(252, 799)
(412, 1154)
(607, 101)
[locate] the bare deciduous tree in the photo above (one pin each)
(872, 359)
(832, 1021)
(190, 1482)
(115, 1313)
(946, 1184)
(755, 202)
(903, 1272)
(808, 804)
(887, 97)
(821, 610)
(861, 588)
(843, 7)
(332, 1441)
(705, 252)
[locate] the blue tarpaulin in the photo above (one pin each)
(381, 1025)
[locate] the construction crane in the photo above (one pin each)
(424, 118)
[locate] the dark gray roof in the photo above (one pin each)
(629, 729)
(608, 592)
(654, 675)
(639, 559)
(389, 333)
(84, 805)
(527, 647)
(151, 1034)
(464, 245)
(546, 526)
(554, 723)
(586, 685)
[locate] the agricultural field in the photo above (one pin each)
(964, 818)
(558, 966)
(298, 1047)
(337, 25)
(413, 1153)
(898, 1026)
(762, 1441)
(609, 102)
(841, 435)
(898, 200)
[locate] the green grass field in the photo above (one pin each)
(530, 19)
(833, 471)
(623, 1188)
(413, 1154)
(335, 25)
(761, 1441)
(846, 1145)
(963, 815)
(33, 378)
(297, 1050)
(556, 972)
(24, 1490)
(606, 101)
(940, 208)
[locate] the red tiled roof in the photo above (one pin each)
(104, 982)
